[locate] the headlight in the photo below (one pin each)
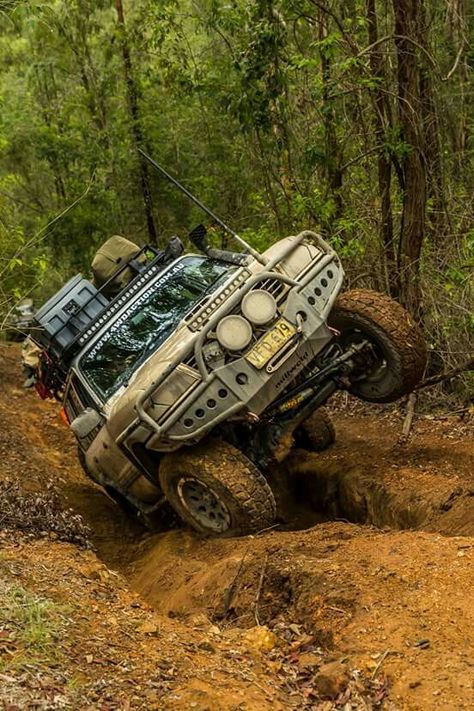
(259, 307)
(234, 333)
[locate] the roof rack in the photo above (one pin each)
(74, 315)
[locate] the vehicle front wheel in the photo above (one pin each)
(217, 490)
(398, 352)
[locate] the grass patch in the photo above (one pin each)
(31, 628)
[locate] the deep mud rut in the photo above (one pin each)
(370, 570)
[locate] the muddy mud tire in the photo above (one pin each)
(397, 340)
(316, 433)
(81, 455)
(217, 490)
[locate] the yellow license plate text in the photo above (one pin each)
(271, 343)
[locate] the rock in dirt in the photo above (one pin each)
(260, 639)
(332, 679)
(309, 659)
(149, 628)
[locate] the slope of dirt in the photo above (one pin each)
(371, 475)
(340, 615)
(95, 645)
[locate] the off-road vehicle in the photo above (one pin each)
(188, 383)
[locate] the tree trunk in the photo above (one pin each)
(384, 166)
(438, 217)
(412, 228)
(458, 34)
(46, 99)
(332, 148)
(133, 100)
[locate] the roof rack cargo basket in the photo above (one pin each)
(67, 314)
(70, 313)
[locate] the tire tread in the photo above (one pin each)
(397, 325)
(217, 462)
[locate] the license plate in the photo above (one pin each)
(271, 343)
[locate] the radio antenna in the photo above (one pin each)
(203, 207)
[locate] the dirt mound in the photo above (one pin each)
(329, 616)
(73, 636)
(359, 593)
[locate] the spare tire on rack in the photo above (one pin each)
(110, 259)
(398, 358)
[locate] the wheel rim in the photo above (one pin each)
(204, 505)
(379, 363)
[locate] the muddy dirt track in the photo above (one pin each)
(361, 598)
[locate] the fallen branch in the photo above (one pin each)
(259, 590)
(435, 379)
(409, 416)
(380, 662)
(230, 591)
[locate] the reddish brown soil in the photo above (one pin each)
(390, 608)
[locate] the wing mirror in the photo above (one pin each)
(86, 422)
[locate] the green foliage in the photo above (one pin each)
(22, 269)
(266, 109)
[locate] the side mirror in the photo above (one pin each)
(86, 422)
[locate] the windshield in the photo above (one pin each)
(148, 322)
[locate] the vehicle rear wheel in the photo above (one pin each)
(316, 433)
(217, 490)
(81, 455)
(398, 356)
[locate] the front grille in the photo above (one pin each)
(275, 287)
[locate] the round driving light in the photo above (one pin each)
(234, 333)
(259, 307)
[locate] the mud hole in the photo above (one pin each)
(182, 574)
(370, 566)
(413, 499)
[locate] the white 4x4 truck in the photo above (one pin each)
(183, 386)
